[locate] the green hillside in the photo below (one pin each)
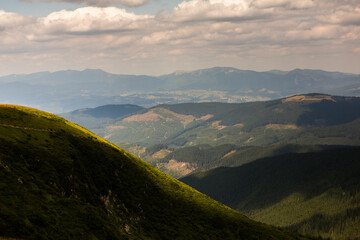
(314, 193)
(59, 181)
(301, 119)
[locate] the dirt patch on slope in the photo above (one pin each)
(282, 126)
(161, 154)
(157, 114)
(217, 125)
(303, 98)
(149, 116)
(180, 168)
(229, 153)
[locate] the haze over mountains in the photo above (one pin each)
(69, 90)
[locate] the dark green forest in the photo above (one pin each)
(317, 193)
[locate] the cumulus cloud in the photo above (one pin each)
(91, 20)
(217, 10)
(128, 3)
(195, 32)
(12, 20)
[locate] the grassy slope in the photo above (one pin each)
(315, 193)
(59, 181)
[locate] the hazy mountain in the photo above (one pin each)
(270, 84)
(59, 181)
(93, 118)
(314, 193)
(69, 90)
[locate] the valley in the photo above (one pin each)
(289, 162)
(308, 141)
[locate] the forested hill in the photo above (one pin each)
(314, 193)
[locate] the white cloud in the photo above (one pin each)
(216, 10)
(128, 3)
(91, 20)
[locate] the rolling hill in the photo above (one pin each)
(94, 118)
(314, 193)
(300, 119)
(60, 181)
(190, 137)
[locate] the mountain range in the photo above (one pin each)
(69, 90)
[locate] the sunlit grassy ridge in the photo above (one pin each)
(60, 181)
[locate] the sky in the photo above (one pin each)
(156, 37)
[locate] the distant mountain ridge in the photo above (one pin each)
(68, 90)
(109, 111)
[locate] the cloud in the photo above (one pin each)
(345, 15)
(10, 20)
(127, 3)
(315, 33)
(217, 10)
(91, 20)
(304, 4)
(195, 34)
